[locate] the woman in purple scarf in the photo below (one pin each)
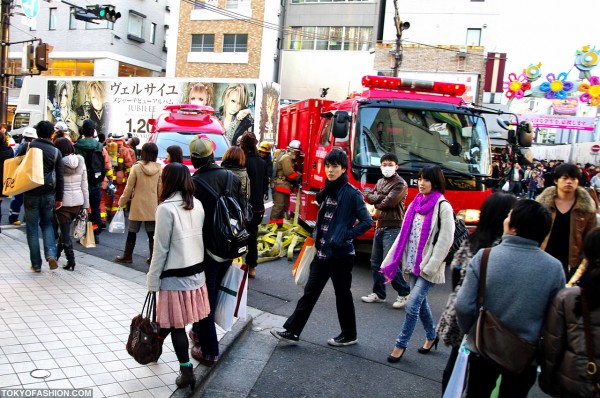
(421, 258)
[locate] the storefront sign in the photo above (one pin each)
(560, 121)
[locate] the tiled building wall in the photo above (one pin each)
(218, 28)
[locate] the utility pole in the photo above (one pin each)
(400, 26)
(4, 24)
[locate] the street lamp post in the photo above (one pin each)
(400, 27)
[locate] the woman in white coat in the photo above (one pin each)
(76, 197)
(424, 241)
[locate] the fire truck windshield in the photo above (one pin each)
(457, 141)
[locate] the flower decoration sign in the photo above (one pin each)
(591, 91)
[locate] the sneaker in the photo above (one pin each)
(400, 302)
(285, 336)
(35, 269)
(16, 223)
(252, 273)
(372, 298)
(342, 341)
(52, 263)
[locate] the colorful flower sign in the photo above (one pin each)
(591, 91)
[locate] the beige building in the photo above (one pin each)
(225, 39)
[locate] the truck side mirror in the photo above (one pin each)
(340, 124)
(525, 134)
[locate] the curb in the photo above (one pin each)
(202, 373)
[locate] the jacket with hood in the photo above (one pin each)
(583, 220)
(143, 189)
(76, 182)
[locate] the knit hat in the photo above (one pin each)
(201, 147)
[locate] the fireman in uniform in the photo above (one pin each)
(122, 158)
(284, 179)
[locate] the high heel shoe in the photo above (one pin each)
(424, 350)
(393, 359)
(69, 267)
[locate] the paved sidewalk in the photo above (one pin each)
(75, 326)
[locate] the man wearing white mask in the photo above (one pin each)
(388, 199)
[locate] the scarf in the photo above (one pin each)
(423, 205)
(331, 188)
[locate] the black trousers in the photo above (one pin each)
(339, 269)
(484, 374)
(252, 228)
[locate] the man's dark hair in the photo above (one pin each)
(567, 170)
(87, 128)
(337, 158)
(44, 129)
(199, 162)
(435, 175)
(531, 220)
(101, 137)
(389, 157)
(149, 152)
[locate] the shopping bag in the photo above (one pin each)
(227, 297)
(506, 187)
(242, 297)
(117, 225)
(88, 240)
(456, 384)
(23, 173)
(144, 343)
(304, 266)
(80, 225)
(307, 243)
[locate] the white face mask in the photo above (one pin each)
(388, 171)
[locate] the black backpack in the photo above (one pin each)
(461, 232)
(94, 163)
(229, 239)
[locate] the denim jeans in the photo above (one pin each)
(530, 194)
(39, 211)
(382, 241)
(15, 207)
(417, 308)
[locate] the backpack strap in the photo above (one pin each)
(211, 190)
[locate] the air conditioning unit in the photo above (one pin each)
(462, 52)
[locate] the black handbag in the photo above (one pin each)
(144, 343)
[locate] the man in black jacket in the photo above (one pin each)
(41, 202)
(259, 182)
(204, 334)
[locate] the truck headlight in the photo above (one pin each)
(469, 216)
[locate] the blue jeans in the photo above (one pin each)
(530, 194)
(15, 207)
(382, 241)
(417, 307)
(39, 210)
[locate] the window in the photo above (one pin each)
(340, 38)
(72, 20)
(52, 19)
(237, 43)
(135, 28)
(231, 4)
(473, 37)
(203, 43)
(153, 33)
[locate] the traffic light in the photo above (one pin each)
(41, 56)
(107, 13)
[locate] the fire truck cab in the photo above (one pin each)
(422, 122)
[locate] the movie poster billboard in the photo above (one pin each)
(124, 105)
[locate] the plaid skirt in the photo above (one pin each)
(178, 308)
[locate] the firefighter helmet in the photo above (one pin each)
(295, 145)
(61, 126)
(265, 147)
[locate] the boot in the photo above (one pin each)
(186, 378)
(151, 246)
(70, 256)
(70, 266)
(126, 257)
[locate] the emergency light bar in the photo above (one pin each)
(190, 112)
(428, 86)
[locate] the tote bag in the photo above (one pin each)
(227, 297)
(23, 173)
(88, 240)
(303, 270)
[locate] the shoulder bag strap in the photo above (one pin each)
(439, 223)
(483, 275)
(591, 369)
(207, 186)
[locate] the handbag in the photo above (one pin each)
(117, 225)
(88, 239)
(144, 343)
(242, 297)
(23, 173)
(227, 297)
(80, 225)
(496, 342)
(307, 243)
(303, 270)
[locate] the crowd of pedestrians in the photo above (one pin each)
(541, 257)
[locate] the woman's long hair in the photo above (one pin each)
(65, 146)
(590, 280)
(175, 154)
(176, 178)
(235, 156)
(149, 152)
(491, 220)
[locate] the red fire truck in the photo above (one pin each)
(422, 122)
